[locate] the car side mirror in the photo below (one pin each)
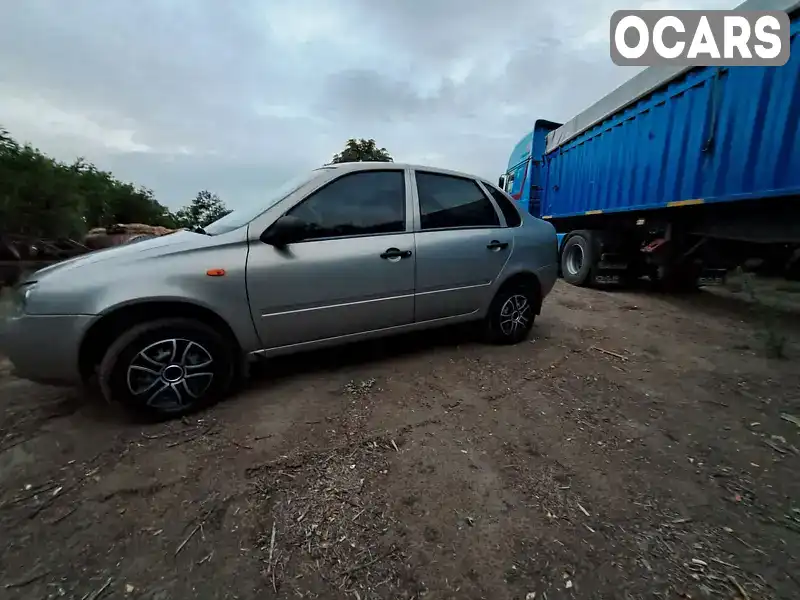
(286, 230)
(501, 183)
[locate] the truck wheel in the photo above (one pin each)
(578, 260)
(511, 314)
(168, 368)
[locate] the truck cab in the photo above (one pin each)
(523, 179)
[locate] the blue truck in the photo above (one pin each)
(678, 175)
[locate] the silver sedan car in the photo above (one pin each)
(344, 253)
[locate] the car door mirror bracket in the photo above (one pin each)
(286, 230)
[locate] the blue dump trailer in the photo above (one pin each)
(680, 174)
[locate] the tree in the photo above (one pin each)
(362, 151)
(6, 141)
(206, 208)
(40, 196)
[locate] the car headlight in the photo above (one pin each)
(22, 296)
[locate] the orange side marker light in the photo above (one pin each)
(215, 272)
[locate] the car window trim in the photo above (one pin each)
(418, 224)
(405, 231)
(352, 237)
(462, 228)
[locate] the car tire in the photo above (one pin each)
(168, 368)
(511, 315)
(578, 259)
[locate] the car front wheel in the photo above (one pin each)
(168, 368)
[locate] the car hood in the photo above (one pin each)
(146, 248)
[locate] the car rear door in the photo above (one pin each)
(461, 244)
(353, 274)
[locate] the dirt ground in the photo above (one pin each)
(638, 446)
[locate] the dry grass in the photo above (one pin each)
(772, 299)
(325, 524)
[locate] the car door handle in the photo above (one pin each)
(495, 245)
(396, 253)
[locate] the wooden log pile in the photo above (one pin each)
(123, 233)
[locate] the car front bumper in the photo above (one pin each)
(44, 348)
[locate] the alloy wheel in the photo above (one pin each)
(170, 374)
(515, 315)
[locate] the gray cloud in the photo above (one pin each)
(180, 95)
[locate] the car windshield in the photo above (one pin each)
(241, 216)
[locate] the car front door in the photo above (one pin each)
(353, 272)
(462, 246)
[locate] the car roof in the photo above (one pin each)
(375, 165)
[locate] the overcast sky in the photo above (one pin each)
(236, 96)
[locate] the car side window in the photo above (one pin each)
(447, 201)
(506, 206)
(361, 203)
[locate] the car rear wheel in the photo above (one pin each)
(511, 314)
(168, 368)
